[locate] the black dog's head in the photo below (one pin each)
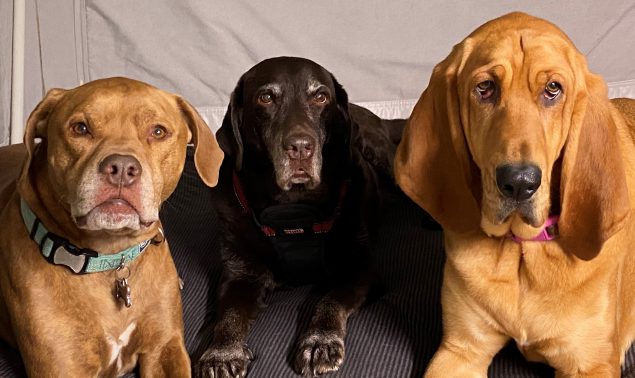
(290, 113)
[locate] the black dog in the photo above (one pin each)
(298, 190)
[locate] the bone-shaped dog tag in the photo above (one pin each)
(122, 291)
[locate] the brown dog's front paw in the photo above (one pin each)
(319, 353)
(228, 362)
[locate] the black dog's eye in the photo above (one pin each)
(80, 128)
(486, 89)
(265, 98)
(320, 98)
(552, 90)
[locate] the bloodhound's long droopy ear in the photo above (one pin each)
(595, 203)
(432, 162)
(207, 155)
(228, 135)
(36, 127)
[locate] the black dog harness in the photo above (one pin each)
(296, 233)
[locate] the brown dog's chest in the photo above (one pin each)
(49, 306)
(532, 293)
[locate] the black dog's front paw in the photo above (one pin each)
(230, 362)
(319, 353)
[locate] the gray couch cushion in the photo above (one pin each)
(394, 335)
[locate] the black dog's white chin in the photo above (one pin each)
(305, 172)
(303, 180)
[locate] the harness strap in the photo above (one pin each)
(317, 228)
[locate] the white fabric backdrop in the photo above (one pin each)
(382, 52)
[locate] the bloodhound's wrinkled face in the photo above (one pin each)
(287, 110)
(513, 125)
(516, 87)
(115, 149)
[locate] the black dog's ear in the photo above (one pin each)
(228, 135)
(341, 98)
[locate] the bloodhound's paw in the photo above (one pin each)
(230, 362)
(318, 353)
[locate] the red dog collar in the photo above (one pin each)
(317, 228)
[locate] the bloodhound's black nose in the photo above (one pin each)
(518, 181)
(299, 146)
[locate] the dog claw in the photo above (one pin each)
(226, 362)
(319, 353)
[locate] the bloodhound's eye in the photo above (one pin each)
(552, 90)
(265, 99)
(320, 98)
(159, 132)
(486, 89)
(80, 128)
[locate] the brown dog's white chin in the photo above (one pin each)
(112, 215)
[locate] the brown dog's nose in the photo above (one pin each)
(518, 181)
(299, 146)
(120, 169)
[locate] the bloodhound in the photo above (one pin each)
(516, 150)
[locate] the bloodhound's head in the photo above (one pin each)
(511, 129)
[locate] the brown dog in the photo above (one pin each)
(111, 151)
(512, 132)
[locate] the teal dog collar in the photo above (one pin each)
(59, 251)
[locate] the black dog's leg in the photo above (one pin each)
(240, 300)
(321, 349)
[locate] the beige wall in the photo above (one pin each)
(381, 51)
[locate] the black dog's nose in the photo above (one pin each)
(299, 146)
(518, 181)
(120, 169)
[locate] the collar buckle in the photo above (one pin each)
(65, 253)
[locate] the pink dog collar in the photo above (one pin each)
(549, 232)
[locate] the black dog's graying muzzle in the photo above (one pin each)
(297, 235)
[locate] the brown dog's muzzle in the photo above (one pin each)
(299, 161)
(120, 170)
(518, 182)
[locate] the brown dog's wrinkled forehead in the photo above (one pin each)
(513, 34)
(516, 21)
(111, 95)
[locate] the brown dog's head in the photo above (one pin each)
(113, 150)
(513, 126)
(286, 111)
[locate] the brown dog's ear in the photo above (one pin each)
(207, 154)
(595, 203)
(228, 135)
(36, 126)
(432, 164)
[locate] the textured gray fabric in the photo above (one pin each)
(382, 52)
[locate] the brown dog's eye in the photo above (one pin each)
(552, 90)
(265, 98)
(320, 98)
(159, 132)
(80, 128)
(486, 89)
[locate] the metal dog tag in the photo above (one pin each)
(122, 291)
